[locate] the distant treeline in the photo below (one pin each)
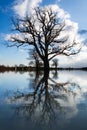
(14, 68)
(29, 68)
(18, 68)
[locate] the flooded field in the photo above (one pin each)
(29, 101)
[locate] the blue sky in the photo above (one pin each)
(77, 9)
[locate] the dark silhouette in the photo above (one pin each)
(55, 63)
(42, 31)
(45, 99)
(23, 68)
(35, 59)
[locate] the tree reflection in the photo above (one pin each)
(49, 100)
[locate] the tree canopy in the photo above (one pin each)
(46, 33)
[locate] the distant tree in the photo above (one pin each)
(43, 30)
(21, 65)
(35, 59)
(55, 62)
(31, 63)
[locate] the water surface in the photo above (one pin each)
(29, 101)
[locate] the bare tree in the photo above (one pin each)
(43, 31)
(35, 59)
(55, 63)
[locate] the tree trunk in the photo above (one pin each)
(46, 67)
(37, 65)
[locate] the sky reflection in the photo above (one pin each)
(58, 99)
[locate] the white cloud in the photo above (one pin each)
(10, 37)
(7, 37)
(24, 7)
(71, 26)
(79, 60)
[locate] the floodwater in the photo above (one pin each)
(29, 101)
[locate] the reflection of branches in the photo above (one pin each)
(35, 77)
(55, 74)
(40, 98)
(67, 87)
(45, 100)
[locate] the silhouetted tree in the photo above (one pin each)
(42, 30)
(55, 63)
(34, 59)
